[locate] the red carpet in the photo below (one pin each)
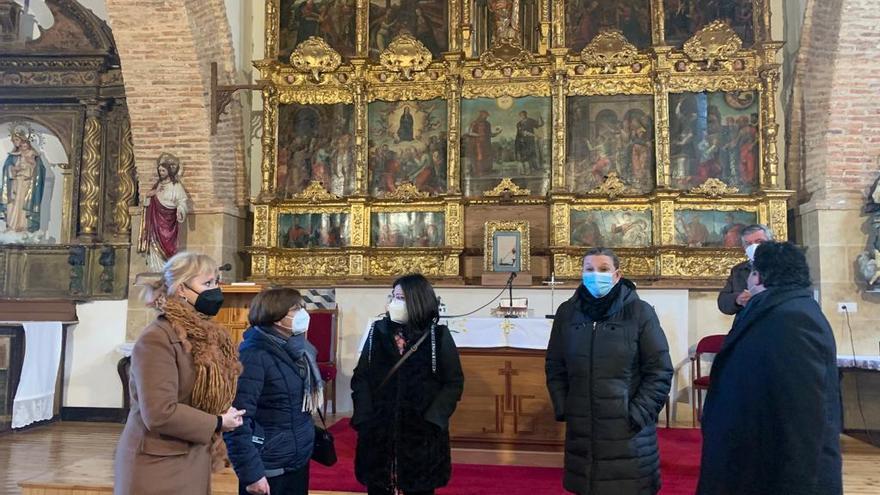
(679, 457)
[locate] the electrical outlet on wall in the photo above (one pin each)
(847, 307)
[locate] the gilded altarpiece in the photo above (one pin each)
(657, 139)
(67, 171)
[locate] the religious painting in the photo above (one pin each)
(685, 17)
(517, 22)
(407, 143)
(507, 246)
(31, 184)
(423, 19)
(618, 228)
(315, 143)
(584, 19)
(506, 137)
(714, 135)
(332, 20)
(313, 230)
(711, 228)
(610, 134)
(408, 229)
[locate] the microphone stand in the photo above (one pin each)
(510, 296)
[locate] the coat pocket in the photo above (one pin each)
(163, 446)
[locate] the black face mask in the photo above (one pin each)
(209, 301)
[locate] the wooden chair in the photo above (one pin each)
(710, 344)
(322, 334)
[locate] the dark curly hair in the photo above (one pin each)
(781, 264)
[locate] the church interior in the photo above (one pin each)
(332, 146)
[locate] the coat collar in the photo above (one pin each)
(260, 338)
(759, 306)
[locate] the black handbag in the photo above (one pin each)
(324, 451)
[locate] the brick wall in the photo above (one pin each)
(166, 49)
(832, 159)
(835, 123)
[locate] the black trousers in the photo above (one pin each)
(371, 490)
(289, 483)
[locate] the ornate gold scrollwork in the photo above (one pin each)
(310, 266)
(714, 188)
(612, 187)
(314, 56)
(714, 266)
(315, 192)
(405, 55)
(406, 191)
(609, 50)
(391, 265)
(717, 41)
(507, 188)
(506, 53)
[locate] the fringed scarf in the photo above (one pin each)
(216, 363)
(304, 356)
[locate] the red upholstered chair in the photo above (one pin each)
(710, 344)
(322, 335)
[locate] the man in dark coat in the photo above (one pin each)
(734, 296)
(608, 373)
(772, 417)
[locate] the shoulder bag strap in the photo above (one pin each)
(409, 353)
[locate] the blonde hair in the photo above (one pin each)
(178, 270)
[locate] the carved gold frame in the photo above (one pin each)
(712, 60)
(665, 259)
(493, 226)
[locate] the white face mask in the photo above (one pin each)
(397, 311)
(750, 251)
(301, 321)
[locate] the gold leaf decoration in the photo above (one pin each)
(506, 53)
(405, 55)
(717, 41)
(315, 56)
(399, 265)
(714, 188)
(507, 188)
(406, 191)
(609, 50)
(315, 192)
(310, 266)
(612, 187)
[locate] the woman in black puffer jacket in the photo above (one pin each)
(279, 388)
(608, 374)
(403, 421)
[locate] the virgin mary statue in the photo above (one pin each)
(165, 209)
(21, 187)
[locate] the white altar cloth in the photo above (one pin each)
(35, 398)
(480, 332)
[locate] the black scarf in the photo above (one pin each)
(597, 308)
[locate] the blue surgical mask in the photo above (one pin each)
(598, 283)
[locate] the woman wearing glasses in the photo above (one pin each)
(279, 389)
(405, 388)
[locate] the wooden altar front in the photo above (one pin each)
(505, 404)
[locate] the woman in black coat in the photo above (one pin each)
(772, 420)
(402, 419)
(608, 373)
(279, 388)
